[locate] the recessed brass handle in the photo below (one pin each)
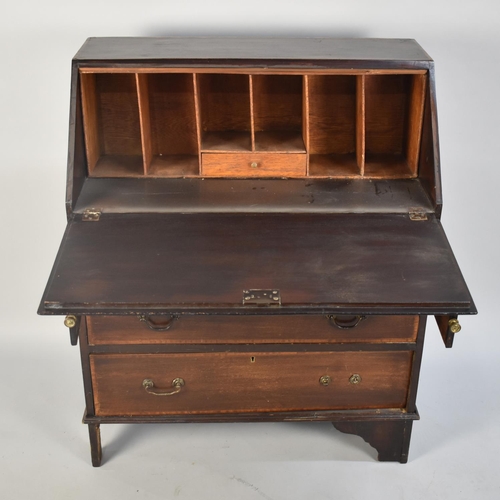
(177, 383)
(454, 325)
(70, 321)
(160, 327)
(345, 322)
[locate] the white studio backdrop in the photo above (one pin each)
(454, 447)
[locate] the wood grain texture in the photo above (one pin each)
(145, 119)
(390, 438)
(205, 195)
(416, 113)
(224, 102)
(118, 110)
(90, 120)
(148, 262)
(173, 114)
(241, 165)
(360, 123)
(277, 102)
(262, 382)
(219, 329)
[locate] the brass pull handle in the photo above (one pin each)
(345, 324)
(157, 326)
(177, 384)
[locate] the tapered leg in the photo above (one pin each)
(391, 438)
(95, 444)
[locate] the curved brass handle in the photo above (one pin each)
(345, 324)
(177, 383)
(160, 327)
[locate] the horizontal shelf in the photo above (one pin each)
(195, 195)
(119, 166)
(333, 165)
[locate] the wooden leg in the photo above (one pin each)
(95, 444)
(391, 438)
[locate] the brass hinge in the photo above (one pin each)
(91, 214)
(262, 297)
(417, 214)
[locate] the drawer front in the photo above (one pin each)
(246, 382)
(253, 164)
(232, 329)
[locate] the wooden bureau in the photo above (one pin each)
(254, 233)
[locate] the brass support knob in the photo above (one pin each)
(454, 326)
(355, 378)
(325, 380)
(70, 321)
(254, 164)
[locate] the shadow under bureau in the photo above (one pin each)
(254, 233)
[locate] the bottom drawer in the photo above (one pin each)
(246, 382)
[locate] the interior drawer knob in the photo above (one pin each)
(345, 322)
(158, 326)
(254, 164)
(325, 380)
(355, 378)
(178, 383)
(454, 325)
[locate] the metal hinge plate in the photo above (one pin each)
(417, 214)
(91, 214)
(270, 297)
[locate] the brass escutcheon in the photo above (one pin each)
(454, 325)
(70, 321)
(325, 380)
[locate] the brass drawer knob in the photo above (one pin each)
(178, 383)
(325, 380)
(355, 378)
(254, 164)
(454, 326)
(70, 321)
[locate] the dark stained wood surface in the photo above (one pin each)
(346, 263)
(253, 196)
(240, 48)
(232, 329)
(243, 382)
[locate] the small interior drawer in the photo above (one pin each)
(253, 164)
(237, 329)
(248, 382)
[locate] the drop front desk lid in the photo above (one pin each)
(319, 263)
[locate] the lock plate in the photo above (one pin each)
(259, 297)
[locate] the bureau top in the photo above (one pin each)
(251, 49)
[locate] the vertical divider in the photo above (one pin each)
(145, 119)
(416, 114)
(90, 119)
(252, 116)
(305, 117)
(360, 124)
(198, 117)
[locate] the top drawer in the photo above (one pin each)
(232, 329)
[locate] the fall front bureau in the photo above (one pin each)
(254, 233)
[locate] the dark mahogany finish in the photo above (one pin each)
(322, 168)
